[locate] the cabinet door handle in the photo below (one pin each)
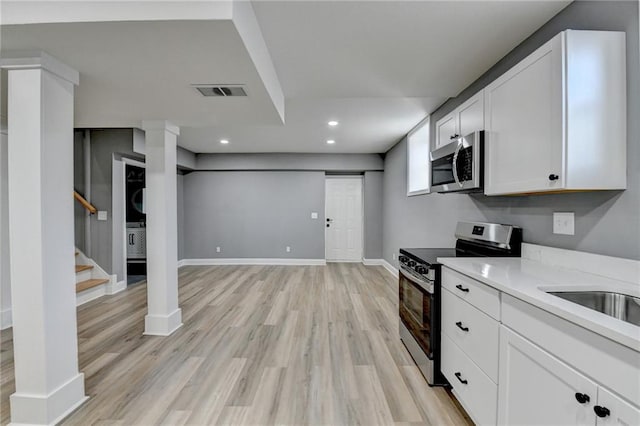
(458, 376)
(461, 327)
(601, 411)
(553, 177)
(582, 398)
(462, 289)
(454, 136)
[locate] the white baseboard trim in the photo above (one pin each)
(114, 286)
(373, 262)
(6, 319)
(389, 267)
(91, 294)
(29, 409)
(162, 325)
(247, 261)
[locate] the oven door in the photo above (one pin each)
(417, 309)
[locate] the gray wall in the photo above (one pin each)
(79, 213)
(254, 214)
(318, 162)
(180, 190)
(606, 222)
(373, 221)
(104, 144)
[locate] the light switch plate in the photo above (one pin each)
(102, 215)
(218, 250)
(288, 249)
(564, 223)
(314, 215)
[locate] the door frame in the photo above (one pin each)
(120, 228)
(360, 177)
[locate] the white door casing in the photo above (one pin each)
(343, 219)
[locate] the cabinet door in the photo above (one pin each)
(471, 115)
(523, 123)
(619, 412)
(538, 389)
(446, 128)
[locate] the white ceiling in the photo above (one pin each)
(377, 67)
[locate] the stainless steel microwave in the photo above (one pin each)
(458, 166)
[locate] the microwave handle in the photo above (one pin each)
(455, 164)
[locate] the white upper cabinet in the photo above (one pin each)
(446, 129)
(471, 115)
(465, 119)
(557, 120)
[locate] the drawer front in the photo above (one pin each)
(479, 395)
(481, 296)
(473, 331)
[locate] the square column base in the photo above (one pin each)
(162, 325)
(49, 409)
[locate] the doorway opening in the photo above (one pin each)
(344, 219)
(136, 223)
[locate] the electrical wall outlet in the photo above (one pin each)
(102, 215)
(314, 215)
(393, 256)
(218, 249)
(564, 223)
(288, 249)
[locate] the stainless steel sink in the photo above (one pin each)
(617, 305)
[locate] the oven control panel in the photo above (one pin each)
(422, 270)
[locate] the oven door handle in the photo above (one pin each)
(423, 284)
(455, 164)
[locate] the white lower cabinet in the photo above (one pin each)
(538, 389)
(511, 363)
(612, 410)
(477, 393)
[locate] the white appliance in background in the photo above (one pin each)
(136, 243)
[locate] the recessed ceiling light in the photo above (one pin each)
(331, 141)
(332, 123)
(224, 141)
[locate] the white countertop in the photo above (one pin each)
(528, 280)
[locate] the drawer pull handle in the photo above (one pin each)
(582, 398)
(601, 411)
(459, 287)
(461, 327)
(463, 381)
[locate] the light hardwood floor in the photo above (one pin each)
(288, 345)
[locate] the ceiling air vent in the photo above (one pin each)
(212, 90)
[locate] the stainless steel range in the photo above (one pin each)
(419, 287)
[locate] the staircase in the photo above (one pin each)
(91, 281)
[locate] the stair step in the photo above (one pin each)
(80, 268)
(84, 285)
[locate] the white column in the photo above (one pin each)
(163, 316)
(45, 344)
(5, 276)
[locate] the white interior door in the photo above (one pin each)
(343, 216)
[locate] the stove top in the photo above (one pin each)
(427, 255)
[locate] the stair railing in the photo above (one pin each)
(87, 205)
